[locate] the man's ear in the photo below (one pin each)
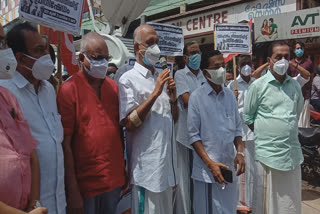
(19, 57)
(269, 60)
(136, 47)
(206, 73)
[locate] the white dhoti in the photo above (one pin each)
(146, 202)
(247, 180)
(211, 198)
(277, 192)
(182, 203)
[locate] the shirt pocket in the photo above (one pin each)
(56, 127)
(230, 120)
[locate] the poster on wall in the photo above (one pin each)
(293, 25)
(171, 40)
(232, 38)
(62, 15)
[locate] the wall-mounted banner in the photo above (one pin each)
(171, 40)
(293, 25)
(62, 15)
(232, 38)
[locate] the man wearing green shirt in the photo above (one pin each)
(273, 29)
(272, 109)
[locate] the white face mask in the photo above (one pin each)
(246, 70)
(217, 76)
(8, 64)
(152, 55)
(43, 67)
(98, 68)
(281, 67)
(111, 76)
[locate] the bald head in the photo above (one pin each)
(144, 36)
(142, 31)
(91, 42)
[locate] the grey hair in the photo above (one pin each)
(87, 38)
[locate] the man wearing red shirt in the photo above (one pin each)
(89, 106)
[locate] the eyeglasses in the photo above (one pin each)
(99, 57)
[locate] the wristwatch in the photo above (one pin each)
(37, 204)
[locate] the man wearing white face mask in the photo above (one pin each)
(89, 107)
(215, 128)
(37, 99)
(148, 112)
(271, 109)
(246, 181)
(19, 165)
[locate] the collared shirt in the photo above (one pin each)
(16, 146)
(306, 63)
(315, 93)
(274, 109)
(151, 147)
(93, 124)
(213, 119)
(40, 110)
(243, 86)
(186, 82)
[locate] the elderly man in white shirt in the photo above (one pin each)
(187, 80)
(148, 112)
(37, 99)
(215, 129)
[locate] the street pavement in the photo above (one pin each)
(310, 199)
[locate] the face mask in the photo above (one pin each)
(194, 61)
(42, 68)
(98, 68)
(217, 76)
(299, 52)
(8, 64)
(152, 55)
(246, 70)
(281, 67)
(111, 76)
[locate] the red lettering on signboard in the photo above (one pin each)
(224, 16)
(195, 24)
(216, 18)
(209, 19)
(188, 22)
(202, 22)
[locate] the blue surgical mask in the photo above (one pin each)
(194, 61)
(299, 52)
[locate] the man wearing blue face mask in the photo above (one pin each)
(37, 99)
(215, 129)
(187, 80)
(148, 112)
(301, 64)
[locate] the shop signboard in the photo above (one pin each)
(294, 25)
(232, 38)
(203, 23)
(61, 15)
(171, 40)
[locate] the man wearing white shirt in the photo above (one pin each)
(187, 80)
(37, 99)
(148, 112)
(246, 181)
(215, 129)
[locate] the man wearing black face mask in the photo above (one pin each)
(148, 112)
(271, 109)
(37, 99)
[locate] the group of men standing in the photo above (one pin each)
(79, 162)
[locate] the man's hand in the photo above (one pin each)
(239, 161)
(161, 80)
(39, 210)
(216, 172)
(171, 89)
(75, 203)
(236, 93)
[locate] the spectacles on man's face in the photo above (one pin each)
(99, 57)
